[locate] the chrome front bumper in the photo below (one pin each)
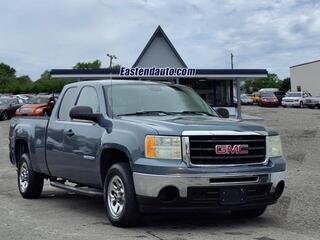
(149, 185)
(290, 104)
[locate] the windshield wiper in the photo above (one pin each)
(194, 112)
(144, 113)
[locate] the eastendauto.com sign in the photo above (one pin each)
(154, 71)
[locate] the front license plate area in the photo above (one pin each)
(232, 196)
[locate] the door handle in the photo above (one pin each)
(69, 133)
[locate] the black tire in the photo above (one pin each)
(284, 106)
(301, 105)
(4, 115)
(128, 214)
(30, 183)
(250, 213)
(311, 107)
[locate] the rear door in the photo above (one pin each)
(55, 152)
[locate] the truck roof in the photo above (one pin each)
(114, 82)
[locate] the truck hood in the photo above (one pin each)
(175, 125)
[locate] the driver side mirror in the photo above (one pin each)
(223, 112)
(84, 113)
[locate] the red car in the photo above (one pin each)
(268, 99)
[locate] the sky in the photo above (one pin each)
(36, 35)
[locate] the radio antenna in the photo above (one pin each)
(111, 57)
(111, 98)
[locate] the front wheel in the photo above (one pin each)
(250, 213)
(301, 105)
(30, 183)
(119, 196)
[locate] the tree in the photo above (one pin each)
(115, 67)
(285, 85)
(272, 81)
(88, 65)
(7, 71)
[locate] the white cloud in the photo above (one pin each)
(274, 34)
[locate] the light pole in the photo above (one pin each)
(111, 58)
(231, 56)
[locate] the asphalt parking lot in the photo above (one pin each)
(59, 215)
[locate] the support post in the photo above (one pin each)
(238, 99)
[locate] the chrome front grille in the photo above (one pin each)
(202, 150)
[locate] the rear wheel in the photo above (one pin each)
(250, 213)
(119, 196)
(30, 183)
(4, 116)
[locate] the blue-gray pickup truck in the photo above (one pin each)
(148, 147)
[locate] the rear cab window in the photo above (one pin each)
(67, 103)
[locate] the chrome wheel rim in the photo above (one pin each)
(116, 196)
(24, 177)
(5, 116)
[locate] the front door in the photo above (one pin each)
(82, 142)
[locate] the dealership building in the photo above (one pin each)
(306, 77)
(219, 87)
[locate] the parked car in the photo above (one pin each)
(255, 97)
(21, 98)
(40, 105)
(246, 100)
(295, 99)
(268, 90)
(8, 107)
(268, 99)
(157, 147)
(279, 95)
(312, 102)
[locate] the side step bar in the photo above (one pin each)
(92, 192)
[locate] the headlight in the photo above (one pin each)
(163, 147)
(274, 146)
(39, 110)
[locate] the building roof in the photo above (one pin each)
(200, 73)
(298, 65)
(159, 32)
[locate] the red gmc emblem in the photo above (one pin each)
(231, 149)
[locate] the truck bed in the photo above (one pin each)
(33, 130)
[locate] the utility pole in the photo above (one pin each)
(111, 58)
(231, 60)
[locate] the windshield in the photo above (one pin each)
(294, 94)
(267, 94)
(244, 97)
(4, 102)
(154, 98)
(38, 100)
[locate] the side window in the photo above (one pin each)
(88, 97)
(67, 103)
